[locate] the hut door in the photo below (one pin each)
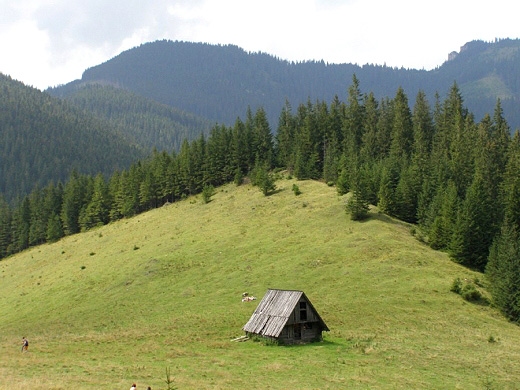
(297, 331)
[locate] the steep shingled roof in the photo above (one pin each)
(273, 312)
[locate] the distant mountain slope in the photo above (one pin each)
(220, 82)
(486, 71)
(43, 139)
(150, 124)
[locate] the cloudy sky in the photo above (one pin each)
(49, 42)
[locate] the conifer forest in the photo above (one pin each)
(428, 163)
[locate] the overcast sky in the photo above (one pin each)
(49, 42)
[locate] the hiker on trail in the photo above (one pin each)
(25, 344)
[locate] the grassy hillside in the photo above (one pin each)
(122, 303)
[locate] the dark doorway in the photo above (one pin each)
(297, 331)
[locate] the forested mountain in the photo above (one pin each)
(220, 82)
(150, 124)
(44, 139)
(432, 165)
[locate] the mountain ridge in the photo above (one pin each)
(219, 82)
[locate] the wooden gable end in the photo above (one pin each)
(286, 315)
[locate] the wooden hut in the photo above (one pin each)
(286, 316)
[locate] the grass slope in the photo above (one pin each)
(122, 303)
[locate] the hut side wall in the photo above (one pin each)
(309, 332)
(302, 326)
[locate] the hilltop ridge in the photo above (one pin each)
(219, 82)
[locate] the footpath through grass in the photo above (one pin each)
(124, 302)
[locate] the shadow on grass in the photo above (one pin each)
(276, 191)
(324, 343)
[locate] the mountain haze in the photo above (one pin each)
(219, 82)
(149, 123)
(44, 139)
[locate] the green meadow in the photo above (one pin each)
(125, 302)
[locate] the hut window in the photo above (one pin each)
(303, 311)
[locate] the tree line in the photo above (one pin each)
(434, 166)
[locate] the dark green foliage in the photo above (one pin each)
(456, 286)
(470, 293)
(44, 139)
(388, 197)
(54, 229)
(503, 271)
(342, 184)
(296, 189)
(285, 138)
(207, 192)
(441, 217)
(5, 227)
(473, 231)
(407, 193)
(96, 212)
(468, 290)
(357, 206)
(262, 178)
(511, 184)
(457, 179)
(219, 81)
(150, 124)
(239, 177)
(402, 127)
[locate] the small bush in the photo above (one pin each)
(207, 192)
(468, 290)
(456, 286)
(470, 293)
(296, 190)
(239, 177)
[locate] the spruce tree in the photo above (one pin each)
(357, 204)
(263, 149)
(5, 227)
(54, 229)
(441, 217)
(285, 138)
(474, 230)
(503, 271)
(402, 127)
(510, 189)
(387, 195)
(96, 213)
